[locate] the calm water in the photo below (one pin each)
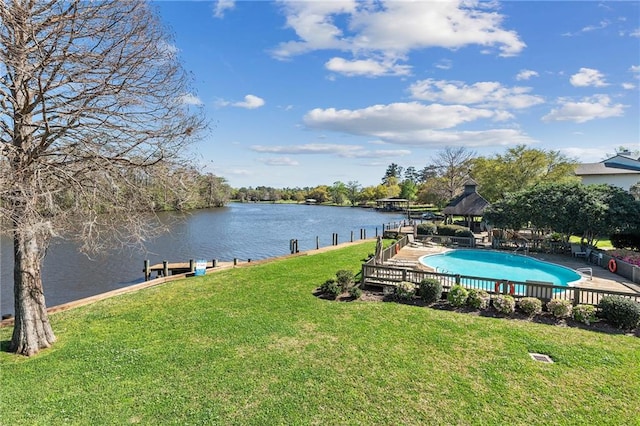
(243, 231)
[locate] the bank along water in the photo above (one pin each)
(242, 231)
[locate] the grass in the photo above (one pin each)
(254, 346)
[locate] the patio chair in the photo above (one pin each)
(576, 251)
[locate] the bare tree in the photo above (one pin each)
(453, 166)
(93, 97)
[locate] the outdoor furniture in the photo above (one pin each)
(576, 251)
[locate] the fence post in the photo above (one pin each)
(351, 236)
(214, 263)
(457, 279)
(235, 261)
(404, 275)
(317, 242)
(576, 296)
(165, 268)
(147, 272)
(192, 266)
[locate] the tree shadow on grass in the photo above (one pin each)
(5, 345)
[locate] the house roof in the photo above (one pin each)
(603, 169)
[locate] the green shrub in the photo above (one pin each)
(530, 305)
(430, 290)
(478, 299)
(454, 231)
(355, 292)
(585, 314)
(427, 228)
(504, 304)
(331, 288)
(559, 308)
(404, 291)
(620, 312)
(458, 296)
(628, 240)
(345, 279)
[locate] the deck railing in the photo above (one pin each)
(388, 277)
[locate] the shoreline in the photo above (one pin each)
(162, 280)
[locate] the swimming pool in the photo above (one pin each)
(500, 266)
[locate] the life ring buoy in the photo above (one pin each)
(397, 248)
(512, 289)
(613, 266)
(496, 287)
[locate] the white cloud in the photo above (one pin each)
(366, 67)
(379, 119)
(190, 99)
(444, 64)
(279, 161)
(526, 75)
(221, 6)
(250, 102)
(635, 33)
(344, 151)
(591, 108)
(634, 68)
(588, 77)
(415, 124)
(600, 26)
(484, 93)
(628, 86)
(391, 29)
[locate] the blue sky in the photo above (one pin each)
(313, 92)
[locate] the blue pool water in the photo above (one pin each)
(499, 266)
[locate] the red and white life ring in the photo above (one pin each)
(613, 266)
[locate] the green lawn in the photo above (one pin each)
(254, 346)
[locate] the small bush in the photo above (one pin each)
(620, 312)
(355, 292)
(331, 288)
(628, 240)
(345, 279)
(530, 305)
(504, 304)
(458, 296)
(454, 231)
(404, 291)
(427, 228)
(585, 314)
(430, 290)
(559, 308)
(478, 299)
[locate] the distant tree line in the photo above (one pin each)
(440, 180)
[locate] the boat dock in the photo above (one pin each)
(166, 269)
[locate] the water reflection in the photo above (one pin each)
(243, 231)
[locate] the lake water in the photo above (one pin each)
(242, 231)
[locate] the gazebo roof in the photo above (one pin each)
(470, 203)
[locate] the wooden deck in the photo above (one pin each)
(602, 279)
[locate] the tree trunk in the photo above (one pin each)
(32, 330)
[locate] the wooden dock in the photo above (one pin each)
(166, 269)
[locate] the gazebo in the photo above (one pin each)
(469, 204)
(392, 204)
